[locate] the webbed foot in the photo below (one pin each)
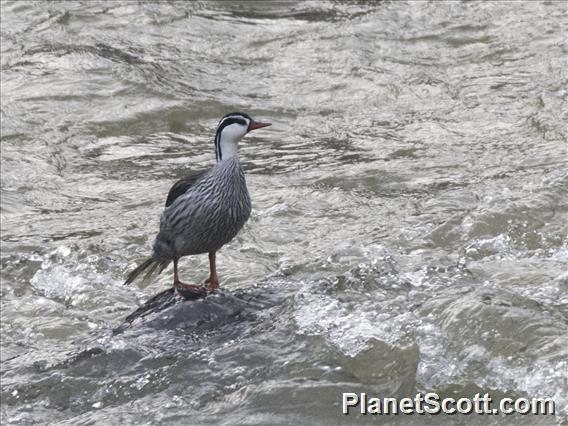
(190, 291)
(212, 284)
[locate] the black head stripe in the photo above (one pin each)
(234, 118)
(231, 120)
(237, 115)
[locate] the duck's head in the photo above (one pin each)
(231, 130)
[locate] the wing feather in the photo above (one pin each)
(181, 186)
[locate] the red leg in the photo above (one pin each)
(213, 280)
(187, 290)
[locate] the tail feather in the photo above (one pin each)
(154, 268)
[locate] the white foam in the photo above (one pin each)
(350, 326)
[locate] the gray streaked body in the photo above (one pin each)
(207, 216)
(205, 210)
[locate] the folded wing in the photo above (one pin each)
(180, 187)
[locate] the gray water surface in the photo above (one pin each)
(409, 208)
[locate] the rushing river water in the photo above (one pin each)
(409, 208)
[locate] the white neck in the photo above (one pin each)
(228, 149)
(229, 142)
